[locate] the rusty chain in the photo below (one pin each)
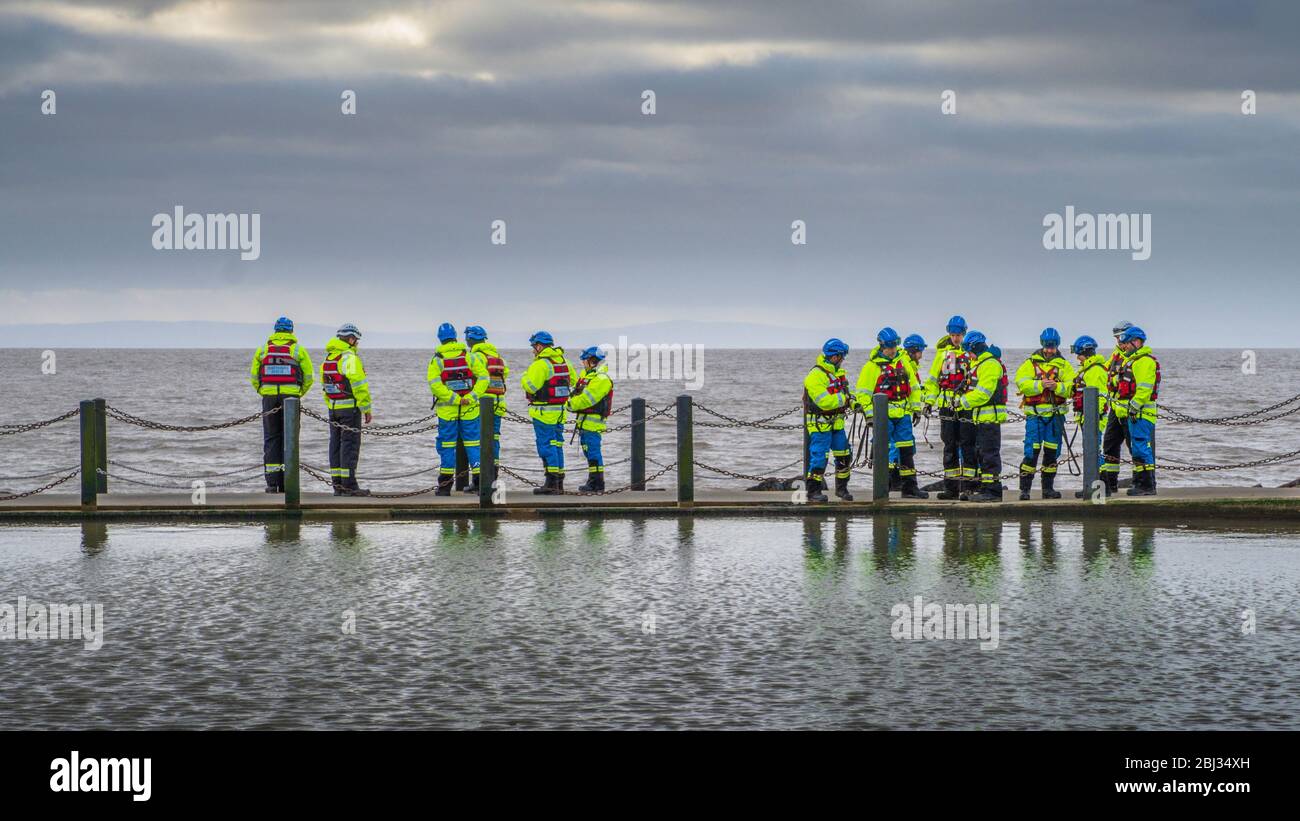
(13, 496)
(24, 427)
(131, 419)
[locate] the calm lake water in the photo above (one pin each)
(655, 623)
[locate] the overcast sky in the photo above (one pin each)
(767, 112)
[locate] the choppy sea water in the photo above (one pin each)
(202, 386)
(656, 623)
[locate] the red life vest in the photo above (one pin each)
(955, 371)
(496, 368)
(894, 381)
(556, 389)
(279, 366)
(457, 375)
(1079, 385)
(1046, 397)
(1125, 384)
(601, 408)
(836, 384)
(337, 386)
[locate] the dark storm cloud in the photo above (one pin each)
(767, 112)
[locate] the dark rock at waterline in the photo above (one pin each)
(773, 483)
(1292, 483)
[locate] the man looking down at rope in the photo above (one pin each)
(592, 400)
(887, 372)
(1045, 381)
(987, 402)
(825, 401)
(950, 374)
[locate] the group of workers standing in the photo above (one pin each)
(459, 375)
(967, 385)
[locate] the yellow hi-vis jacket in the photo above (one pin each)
(350, 366)
(594, 390)
(823, 388)
(987, 388)
(449, 404)
(1093, 373)
(538, 374)
(1145, 372)
(945, 353)
(1030, 383)
(870, 375)
(299, 352)
(482, 351)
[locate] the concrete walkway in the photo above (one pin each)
(1265, 503)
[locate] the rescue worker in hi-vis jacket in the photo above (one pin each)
(347, 395)
(1090, 374)
(1045, 381)
(457, 381)
(280, 368)
(498, 372)
(591, 402)
(548, 383)
(1134, 388)
(987, 401)
(825, 402)
(950, 374)
(887, 371)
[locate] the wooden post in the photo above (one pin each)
(685, 453)
(880, 447)
(487, 467)
(1091, 443)
(292, 483)
(101, 445)
(638, 444)
(89, 455)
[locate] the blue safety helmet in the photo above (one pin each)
(1131, 333)
(995, 351)
(1050, 336)
(284, 324)
(1082, 344)
(957, 325)
(888, 337)
(541, 338)
(833, 347)
(914, 343)
(446, 332)
(348, 330)
(972, 339)
(593, 352)
(475, 332)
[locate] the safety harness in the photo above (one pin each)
(279, 366)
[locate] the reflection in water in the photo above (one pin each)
(893, 542)
(94, 537)
(1102, 541)
(815, 549)
(343, 533)
(280, 532)
(972, 547)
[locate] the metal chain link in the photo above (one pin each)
(39, 475)
(248, 469)
(367, 430)
(131, 419)
(206, 484)
(747, 477)
(11, 497)
(24, 427)
(609, 492)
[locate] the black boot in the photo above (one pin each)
(1110, 481)
(590, 485)
(1026, 482)
(842, 488)
(559, 483)
(1141, 486)
(445, 481)
(353, 490)
(338, 486)
(547, 488)
(895, 481)
(951, 490)
(815, 486)
(1049, 486)
(911, 491)
(989, 492)
(600, 482)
